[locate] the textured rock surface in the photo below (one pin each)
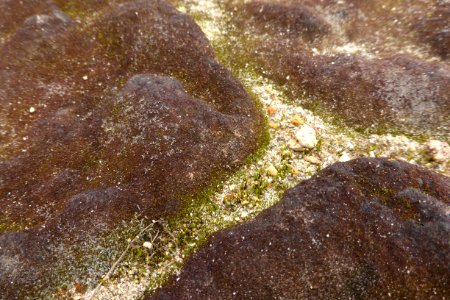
(399, 88)
(435, 29)
(366, 229)
(371, 62)
(127, 112)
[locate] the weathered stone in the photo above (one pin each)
(281, 18)
(366, 229)
(126, 113)
(434, 29)
(306, 137)
(360, 61)
(400, 90)
(439, 151)
(13, 13)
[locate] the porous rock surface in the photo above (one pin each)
(363, 229)
(104, 116)
(381, 64)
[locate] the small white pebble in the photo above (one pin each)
(32, 109)
(147, 245)
(312, 159)
(306, 137)
(272, 171)
(85, 77)
(293, 145)
(440, 151)
(344, 157)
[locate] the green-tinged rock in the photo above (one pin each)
(127, 113)
(365, 229)
(362, 62)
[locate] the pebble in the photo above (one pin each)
(274, 125)
(293, 145)
(312, 159)
(439, 151)
(297, 120)
(294, 171)
(32, 110)
(272, 171)
(306, 137)
(147, 245)
(344, 157)
(271, 110)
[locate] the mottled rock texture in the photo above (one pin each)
(120, 112)
(400, 88)
(364, 229)
(374, 64)
(434, 29)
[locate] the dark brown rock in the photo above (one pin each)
(362, 62)
(13, 13)
(400, 90)
(384, 26)
(434, 29)
(126, 114)
(364, 229)
(285, 18)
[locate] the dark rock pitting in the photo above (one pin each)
(365, 229)
(129, 113)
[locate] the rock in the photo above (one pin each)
(434, 29)
(274, 125)
(125, 113)
(272, 171)
(147, 245)
(375, 92)
(294, 171)
(13, 13)
(297, 120)
(344, 157)
(306, 137)
(364, 229)
(286, 18)
(360, 61)
(312, 159)
(271, 110)
(440, 151)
